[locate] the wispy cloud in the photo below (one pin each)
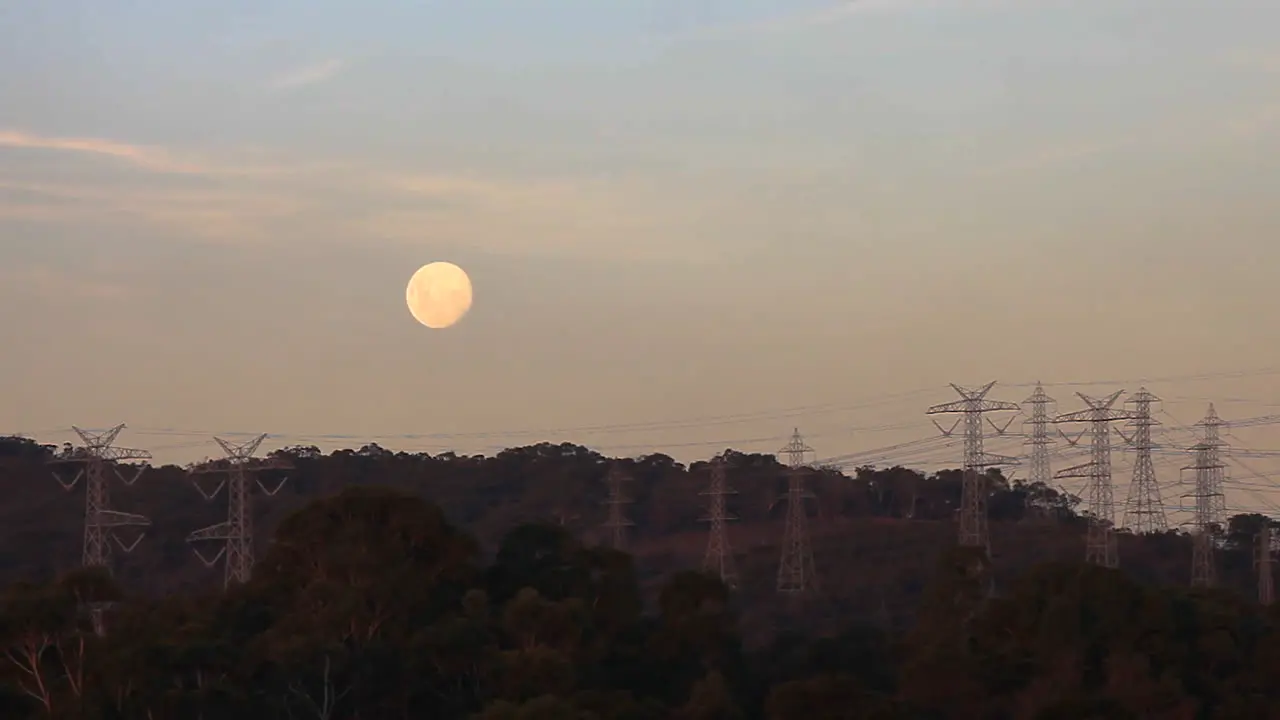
(149, 157)
(232, 214)
(313, 74)
(497, 212)
(619, 216)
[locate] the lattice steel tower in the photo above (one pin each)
(972, 407)
(797, 574)
(617, 522)
(1143, 510)
(1266, 586)
(1100, 542)
(1210, 501)
(100, 521)
(719, 558)
(1039, 437)
(236, 533)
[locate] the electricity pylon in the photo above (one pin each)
(719, 558)
(797, 574)
(972, 406)
(1210, 502)
(236, 533)
(617, 522)
(1100, 543)
(1039, 437)
(100, 521)
(1143, 510)
(1266, 586)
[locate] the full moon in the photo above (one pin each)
(438, 295)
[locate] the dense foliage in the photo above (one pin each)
(371, 601)
(369, 604)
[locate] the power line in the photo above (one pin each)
(669, 424)
(1195, 377)
(696, 421)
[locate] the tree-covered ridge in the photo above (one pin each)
(875, 531)
(875, 518)
(371, 604)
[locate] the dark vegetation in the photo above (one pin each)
(392, 585)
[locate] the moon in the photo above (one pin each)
(438, 295)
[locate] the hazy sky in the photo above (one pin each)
(671, 210)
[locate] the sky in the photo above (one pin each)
(690, 224)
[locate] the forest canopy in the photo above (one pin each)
(405, 585)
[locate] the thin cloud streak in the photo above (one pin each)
(232, 214)
(150, 157)
(501, 213)
(309, 75)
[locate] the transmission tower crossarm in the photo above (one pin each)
(1090, 416)
(968, 406)
(118, 454)
(1075, 471)
(220, 531)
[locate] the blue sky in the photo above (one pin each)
(669, 209)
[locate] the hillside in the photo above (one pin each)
(875, 535)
